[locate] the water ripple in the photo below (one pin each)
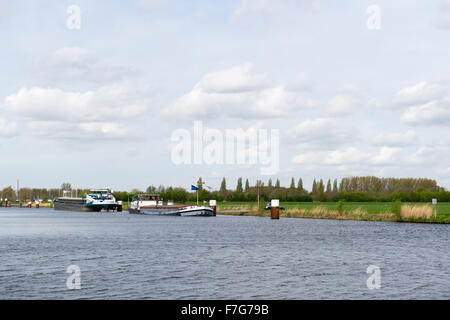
(134, 257)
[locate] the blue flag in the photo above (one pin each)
(193, 187)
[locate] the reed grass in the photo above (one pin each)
(392, 212)
(321, 212)
(423, 211)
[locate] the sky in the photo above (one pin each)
(92, 92)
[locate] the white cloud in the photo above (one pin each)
(234, 80)
(106, 113)
(386, 156)
(396, 139)
(350, 155)
(7, 128)
(151, 4)
(427, 114)
(70, 64)
(199, 104)
(106, 103)
(85, 131)
(422, 156)
(323, 132)
(427, 103)
(301, 82)
(235, 93)
(420, 93)
(343, 104)
(261, 7)
(275, 102)
(272, 7)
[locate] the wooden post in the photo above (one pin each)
(275, 209)
(197, 196)
(29, 204)
(119, 207)
(212, 204)
(37, 204)
(6, 202)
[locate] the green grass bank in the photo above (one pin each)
(364, 211)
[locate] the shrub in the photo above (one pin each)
(340, 207)
(396, 208)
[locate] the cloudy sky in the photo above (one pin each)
(96, 106)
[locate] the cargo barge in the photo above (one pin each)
(96, 200)
(151, 204)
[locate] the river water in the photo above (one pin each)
(124, 256)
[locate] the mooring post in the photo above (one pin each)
(120, 206)
(275, 209)
(212, 204)
(6, 202)
(37, 204)
(29, 204)
(434, 202)
(1, 202)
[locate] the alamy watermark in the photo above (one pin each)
(74, 280)
(374, 19)
(73, 22)
(232, 147)
(374, 280)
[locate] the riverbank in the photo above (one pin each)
(361, 211)
(24, 204)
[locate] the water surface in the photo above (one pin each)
(123, 256)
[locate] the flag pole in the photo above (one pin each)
(197, 196)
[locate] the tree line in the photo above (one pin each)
(29, 194)
(352, 189)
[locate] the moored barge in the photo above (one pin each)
(151, 204)
(97, 200)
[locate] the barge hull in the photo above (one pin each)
(173, 211)
(78, 204)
